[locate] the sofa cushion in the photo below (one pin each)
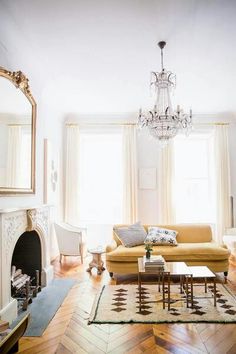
(159, 236)
(208, 251)
(132, 235)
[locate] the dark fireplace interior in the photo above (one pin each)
(27, 254)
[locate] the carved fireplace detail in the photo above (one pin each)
(13, 225)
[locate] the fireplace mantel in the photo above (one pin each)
(13, 223)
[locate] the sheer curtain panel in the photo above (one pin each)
(72, 175)
(130, 189)
(222, 181)
(166, 178)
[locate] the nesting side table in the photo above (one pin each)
(204, 275)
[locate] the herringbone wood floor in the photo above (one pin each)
(69, 333)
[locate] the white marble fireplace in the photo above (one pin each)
(13, 223)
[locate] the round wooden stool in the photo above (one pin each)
(97, 261)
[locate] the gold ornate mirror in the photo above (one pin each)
(17, 134)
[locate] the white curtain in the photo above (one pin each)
(13, 170)
(72, 175)
(166, 179)
(222, 172)
(130, 190)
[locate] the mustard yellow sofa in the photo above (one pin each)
(195, 247)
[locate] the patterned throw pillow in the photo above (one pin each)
(162, 237)
(132, 235)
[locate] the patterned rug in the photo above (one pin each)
(120, 304)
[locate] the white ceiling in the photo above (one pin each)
(96, 56)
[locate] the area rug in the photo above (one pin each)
(45, 306)
(120, 304)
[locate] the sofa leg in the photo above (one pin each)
(111, 274)
(225, 275)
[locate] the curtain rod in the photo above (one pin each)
(213, 123)
(18, 124)
(98, 124)
(122, 124)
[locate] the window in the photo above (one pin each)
(101, 176)
(194, 182)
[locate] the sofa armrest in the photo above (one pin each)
(111, 247)
(223, 245)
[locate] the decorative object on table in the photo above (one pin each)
(126, 310)
(148, 248)
(163, 122)
(132, 235)
(97, 261)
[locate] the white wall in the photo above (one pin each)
(18, 53)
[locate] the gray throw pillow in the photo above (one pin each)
(132, 235)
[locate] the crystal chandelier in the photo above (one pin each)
(162, 121)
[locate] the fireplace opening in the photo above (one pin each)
(27, 255)
(26, 268)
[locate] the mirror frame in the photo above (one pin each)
(20, 81)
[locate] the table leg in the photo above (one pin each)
(181, 284)
(191, 279)
(214, 284)
(96, 262)
(205, 279)
(186, 290)
(163, 290)
(168, 291)
(139, 289)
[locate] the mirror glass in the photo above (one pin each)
(16, 138)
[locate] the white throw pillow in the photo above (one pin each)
(132, 235)
(160, 236)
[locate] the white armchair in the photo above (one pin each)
(70, 241)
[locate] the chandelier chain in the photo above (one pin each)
(162, 65)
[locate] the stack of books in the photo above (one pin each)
(155, 263)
